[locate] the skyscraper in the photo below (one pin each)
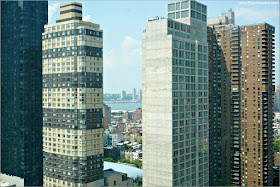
(276, 103)
(175, 97)
(139, 94)
(72, 100)
(241, 81)
(123, 94)
(22, 25)
(133, 93)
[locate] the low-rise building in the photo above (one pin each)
(111, 152)
(137, 115)
(127, 115)
(115, 178)
(115, 139)
(132, 155)
(276, 116)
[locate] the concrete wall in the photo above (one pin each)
(157, 104)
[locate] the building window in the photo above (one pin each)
(171, 15)
(185, 14)
(171, 7)
(177, 6)
(193, 14)
(185, 5)
(178, 15)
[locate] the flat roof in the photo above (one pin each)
(3, 183)
(111, 173)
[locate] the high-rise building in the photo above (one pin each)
(175, 97)
(276, 103)
(241, 81)
(72, 100)
(22, 25)
(133, 93)
(139, 94)
(123, 94)
(106, 115)
(227, 17)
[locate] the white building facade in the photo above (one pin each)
(175, 97)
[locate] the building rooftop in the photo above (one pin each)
(4, 184)
(131, 171)
(110, 173)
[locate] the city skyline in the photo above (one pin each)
(125, 73)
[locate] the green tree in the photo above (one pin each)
(109, 159)
(276, 146)
(122, 160)
(127, 147)
(136, 180)
(137, 163)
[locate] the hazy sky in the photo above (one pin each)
(124, 21)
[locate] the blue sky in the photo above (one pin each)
(124, 21)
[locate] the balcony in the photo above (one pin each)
(264, 50)
(265, 54)
(264, 38)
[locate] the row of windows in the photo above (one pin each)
(182, 79)
(189, 101)
(189, 71)
(185, 5)
(187, 63)
(189, 94)
(72, 32)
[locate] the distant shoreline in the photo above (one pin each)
(126, 106)
(123, 101)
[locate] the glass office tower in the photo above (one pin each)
(22, 25)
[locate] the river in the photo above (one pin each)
(124, 106)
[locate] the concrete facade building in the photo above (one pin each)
(175, 97)
(241, 81)
(227, 17)
(22, 25)
(115, 178)
(72, 100)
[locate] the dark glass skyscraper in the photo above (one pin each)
(22, 25)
